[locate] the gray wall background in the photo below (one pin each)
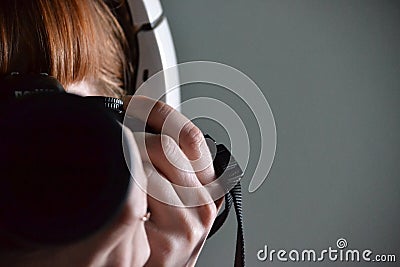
(331, 73)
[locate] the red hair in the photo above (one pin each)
(72, 40)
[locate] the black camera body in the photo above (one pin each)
(47, 135)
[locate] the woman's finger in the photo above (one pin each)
(177, 218)
(166, 120)
(174, 165)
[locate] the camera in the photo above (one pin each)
(48, 135)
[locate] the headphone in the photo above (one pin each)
(151, 48)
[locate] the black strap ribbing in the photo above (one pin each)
(233, 197)
(228, 169)
(236, 193)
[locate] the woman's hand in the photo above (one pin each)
(179, 155)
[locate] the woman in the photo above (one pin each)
(82, 45)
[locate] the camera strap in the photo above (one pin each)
(233, 197)
(228, 169)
